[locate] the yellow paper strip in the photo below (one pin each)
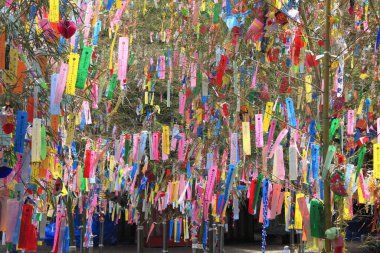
(112, 46)
(298, 216)
(165, 139)
(360, 108)
(308, 88)
(11, 74)
(72, 73)
(246, 138)
(267, 116)
(54, 11)
(376, 160)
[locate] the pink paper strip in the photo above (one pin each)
(118, 13)
(281, 136)
(182, 103)
(275, 200)
(121, 145)
(123, 55)
(62, 77)
(364, 186)
(271, 132)
(155, 141)
(162, 67)
(95, 95)
(254, 78)
(210, 182)
(87, 25)
(350, 122)
(259, 130)
(193, 75)
(280, 168)
(305, 214)
(181, 147)
(12, 210)
(280, 203)
(136, 140)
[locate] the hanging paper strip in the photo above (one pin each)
(70, 130)
(234, 148)
(279, 170)
(54, 108)
(21, 125)
(259, 130)
(317, 219)
(350, 122)
(221, 68)
(84, 64)
(376, 160)
(53, 11)
(315, 160)
(279, 138)
(123, 55)
(11, 74)
(111, 86)
(274, 202)
(293, 163)
(12, 210)
(62, 78)
(87, 164)
(246, 138)
(301, 200)
(267, 116)
(36, 140)
(165, 140)
(3, 37)
(72, 73)
(291, 112)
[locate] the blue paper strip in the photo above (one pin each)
(315, 159)
(54, 108)
(95, 36)
(171, 229)
(21, 124)
(291, 112)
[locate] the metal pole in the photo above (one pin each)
(214, 235)
(101, 238)
(210, 231)
(221, 238)
(164, 237)
(326, 120)
(91, 244)
(292, 215)
(140, 239)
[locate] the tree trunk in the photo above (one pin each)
(70, 219)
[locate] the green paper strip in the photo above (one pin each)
(317, 219)
(257, 190)
(111, 88)
(43, 143)
(127, 149)
(362, 151)
(334, 126)
(82, 180)
(84, 64)
(330, 155)
(216, 14)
